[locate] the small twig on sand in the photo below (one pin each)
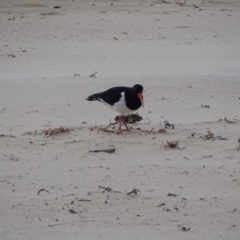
(135, 191)
(172, 195)
(3, 135)
(74, 141)
(58, 224)
(72, 211)
(106, 189)
(195, 6)
(161, 1)
(161, 204)
(77, 75)
(70, 194)
(180, 4)
(205, 106)
(47, 13)
(41, 190)
(111, 150)
(93, 75)
(229, 121)
(185, 229)
(106, 128)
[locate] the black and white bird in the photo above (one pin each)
(121, 99)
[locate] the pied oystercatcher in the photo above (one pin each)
(121, 99)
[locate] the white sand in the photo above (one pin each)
(183, 56)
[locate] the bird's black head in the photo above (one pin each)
(138, 88)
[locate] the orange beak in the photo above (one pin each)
(141, 98)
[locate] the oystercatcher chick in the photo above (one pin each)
(121, 99)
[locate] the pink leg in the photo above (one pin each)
(122, 120)
(120, 123)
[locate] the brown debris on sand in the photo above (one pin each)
(51, 131)
(55, 131)
(208, 136)
(173, 144)
(130, 118)
(134, 191)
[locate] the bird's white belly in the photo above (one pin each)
(121, 107)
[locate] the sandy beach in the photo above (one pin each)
(54, 54)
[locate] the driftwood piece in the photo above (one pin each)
(111, 150)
